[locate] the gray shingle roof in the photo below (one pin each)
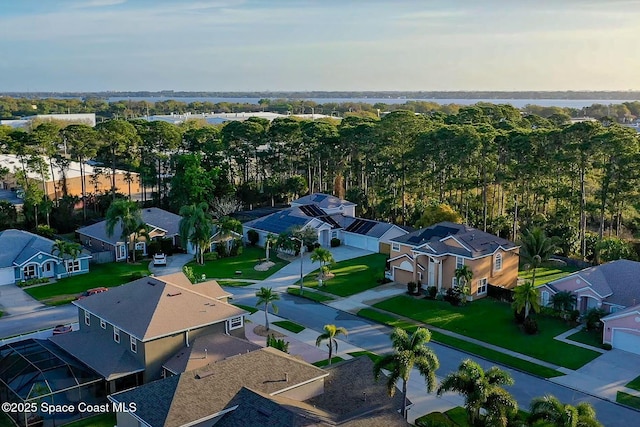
(105, 356)
(325, 201)
(153, 400)
(154, 217)
(17, 246)
(149, 307)
(477, 243)
(281, 221)
(620, 279)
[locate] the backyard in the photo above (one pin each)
(351, 276)
(107, 275)
(226, 268)
(547, 273)
(492, 322)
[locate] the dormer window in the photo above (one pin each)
(497, 262)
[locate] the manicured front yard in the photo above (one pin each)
(546, 274)
(225, 268)
(593, 338)
(351, 276)
(492, 322)
(107, 275)
(635, 384)
(478, 350)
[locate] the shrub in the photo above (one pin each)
(530, 325)
(166, 246)
(592, 319)
(154, 247)
(431, 292)
(136, 275)
(455, 295)
(253, 237)
(435, 419)
(335, 242)
(46, 231)
(211, 256)
(606, 346)
(188, 271)
(278, 343)
(33, 282)
(573, 315)
(518, 316)
(411, 288)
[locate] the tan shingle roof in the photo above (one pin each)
(210, 288)
(150, 308)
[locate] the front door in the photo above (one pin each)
(432, 273)
(48, 269)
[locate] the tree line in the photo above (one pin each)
(497, 168)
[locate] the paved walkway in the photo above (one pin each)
(563, 337)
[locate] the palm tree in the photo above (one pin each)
(128, 215)
(409, 351)
(481, 390)
(66, 250)
(526, 297)
(464, 275)
(324, 256)
(195, 228)
(141, 230)
(564, 301)
(329, 335)
(551, 410)
(536, 248)
(266, 296)
(269, 241)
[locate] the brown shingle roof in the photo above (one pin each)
(210, 288)
(203, 392)
(150, 308)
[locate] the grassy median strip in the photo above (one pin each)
(628, 399)
(634, 384)
(247, 307)
(289, 326)
(234, 283)
(472, 348)
(374, 357)
(325, 362)
(314, 296)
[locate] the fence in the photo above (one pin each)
(103, 257)
(39, 335)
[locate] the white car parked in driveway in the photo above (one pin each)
(159, 259)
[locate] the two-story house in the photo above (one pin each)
(430, 257)
(129, 332)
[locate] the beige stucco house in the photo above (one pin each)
(430, 257)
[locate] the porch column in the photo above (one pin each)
(415, 268)
(439, 274)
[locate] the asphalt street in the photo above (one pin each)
(375, 337)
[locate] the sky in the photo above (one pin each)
(332, 45)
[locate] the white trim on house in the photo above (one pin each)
(614, 316)
(234, 320)
(485, 285)
(588, 288)
(401, 256)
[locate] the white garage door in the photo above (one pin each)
(7, 276)
(360, 241)
(626, 341)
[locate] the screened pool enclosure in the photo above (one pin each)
(36, 371)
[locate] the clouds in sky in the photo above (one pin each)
(319, 45)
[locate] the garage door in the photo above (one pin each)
(360, 241)
(6, 276)
(626, 341)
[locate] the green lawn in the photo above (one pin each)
(593, 338)
(374, 357)
(546, 274)
(225, 268)
(102, 420)
(454, 417)
(306, 293)
(5, 421)
(351, 276)
(627, 399)
(325, 362)
(233, 283)
(492, 322)
(289, 326)
(108, 275)
(478, 350)
(635, 384)
(247, 307)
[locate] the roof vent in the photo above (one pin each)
(148, 210)
(151, 283)
(174, 295)
(203, 375)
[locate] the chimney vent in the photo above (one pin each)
(286, 377)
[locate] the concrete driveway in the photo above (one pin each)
(175, 263)
(14, 300)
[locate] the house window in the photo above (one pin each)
(544, 298)
(395, 247)
(454, 282)
(134, 345)
(334, 234)
(140, 246)
(102, 245)
(72, 265)
(482, 286)
(497, 262)
(122, 251)
(459, 262)
(235, 323)
(29, 271)
(87, 318)
(103, 324)
(116, 334)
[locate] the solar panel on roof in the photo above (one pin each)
(312, 210)
(361, 226)
(330, 221)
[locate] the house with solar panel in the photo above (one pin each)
(332, 218)
(430, 257)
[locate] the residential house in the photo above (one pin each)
(613, 287)
(430, 257)
(25, 256)
(160, 224)
(331, 217)
(264, 387)
(127, 334)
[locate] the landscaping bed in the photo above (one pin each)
(237, 267)
(351, 276)
(107, 275)
(492, 322)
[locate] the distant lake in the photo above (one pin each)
(518, 103)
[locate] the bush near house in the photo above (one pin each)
(253, 237)
(335, 242)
